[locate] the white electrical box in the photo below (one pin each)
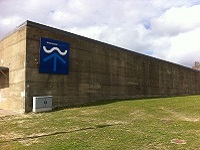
(42, 103)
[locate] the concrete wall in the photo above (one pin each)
(100, 71)
(12, 56)
(97, 72)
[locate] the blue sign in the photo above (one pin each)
(54, 56)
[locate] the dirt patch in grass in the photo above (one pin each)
(178, 141)
(180, 116)
(10, 135)
(138, 113)
(29, 142)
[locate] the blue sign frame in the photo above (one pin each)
(54, 56)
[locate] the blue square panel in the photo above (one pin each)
(54, 56)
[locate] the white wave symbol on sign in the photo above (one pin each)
(54, 49)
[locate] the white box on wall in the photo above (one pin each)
(42, 103)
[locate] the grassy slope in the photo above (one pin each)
(142, 124)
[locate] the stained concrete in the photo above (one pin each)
(97, 72)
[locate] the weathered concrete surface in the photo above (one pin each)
(12, 56)
(97, 72)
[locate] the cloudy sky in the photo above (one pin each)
(166, 29)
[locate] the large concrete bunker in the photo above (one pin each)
(95, 71)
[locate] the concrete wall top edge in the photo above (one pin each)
(66, 33)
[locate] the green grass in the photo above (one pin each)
(131, 124)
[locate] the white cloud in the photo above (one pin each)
(175, 35)
(10, 20)
(184, 47)
(177, 20)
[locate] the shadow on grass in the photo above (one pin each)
(106, 102)
(58, 133)
(97, 103)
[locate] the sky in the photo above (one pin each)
(165, 29)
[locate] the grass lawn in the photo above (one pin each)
(131, 124)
